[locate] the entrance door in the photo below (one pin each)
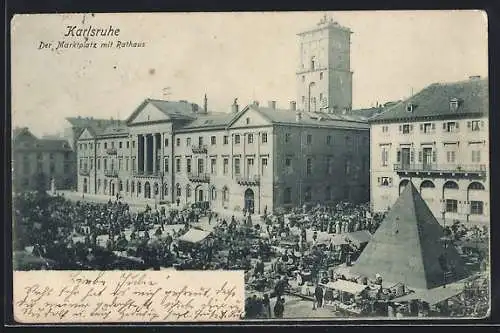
(85, 185)
(200, 195)
(112, 189)
(405, 157)
(147, 190)
(249, 201)
(427, 158)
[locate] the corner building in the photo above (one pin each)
(438, 139)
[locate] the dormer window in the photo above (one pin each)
(313, 63)
(454, 103)
(410, 107)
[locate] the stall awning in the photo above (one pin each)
(346, 286)
(431, 296)
(359, 237)
(194, 236)
(338, 239)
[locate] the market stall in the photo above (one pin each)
(344, 296)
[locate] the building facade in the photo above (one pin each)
(324, 77)
(256, 158)
(438, 139)
(35, 162)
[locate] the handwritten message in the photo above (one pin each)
(128, 296)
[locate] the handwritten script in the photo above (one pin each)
(128, 296)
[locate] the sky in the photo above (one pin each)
(249, 56)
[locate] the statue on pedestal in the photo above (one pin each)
(53, 186)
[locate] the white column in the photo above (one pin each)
(145, 153)
(154, 152)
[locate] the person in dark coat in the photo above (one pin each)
(266, 306)
(318, 293)
(279, 307)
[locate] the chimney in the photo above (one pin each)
(205, 103)
(293, 105)
(475, 77)
(272, 104)
(298, 117)
(235, 106)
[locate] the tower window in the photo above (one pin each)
(312, 63)
(321, 76)
(303, 78)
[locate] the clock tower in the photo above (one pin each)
(324, 77)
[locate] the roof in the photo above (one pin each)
(175, 110)
(359, 237)
(210, 120)
(346, 286)
(407, 246)
(287, 117)
(114, 129)
(434, 101)
(194, 236)
(367, 113)
(432, 296)
(84, 122)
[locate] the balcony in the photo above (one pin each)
(199, 178)
(202, 149)
(84, 172)
(248, 180)
(146, 174)
(453, 170)
(111, 173)
(111, 151)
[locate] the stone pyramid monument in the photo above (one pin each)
(408, 247)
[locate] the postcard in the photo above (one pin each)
(255, 166)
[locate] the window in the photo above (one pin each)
(328, 193)
(385, 156)
(201, 167)
(309, 166)
(188, 191)
(385, 181)
(133, 144)
(347, 167)
(247, 120)
(451, 206)
(249, 165)
(237, 166)
(329, 140)
(476, 156)
(264, 137)
(112, 144)
(119, 164)
(178, 190)
(309, 139)
(308, 194)
(476, 208)
(120, 145)
(288, 164)
(105, 164)
(98, 164)
(237, 139)
(51, 156)
(287, 195)
(264, 165)
(178, 142)
(165, 143)
(427, 127)
(188, 165)
(226, 139)
(213, 193)
(213, 166)
(450, 127)
(138, 187)
(213, 140)
(165, 164)
(250, 138)
(225, 194)
(200, 141)
(127, 185)
(226, 166)
(177, 165)
(188, 142)
(287, 137)
(120, 186)
(474, 125)
(406, 128)
(385, 129)
(312, 63)
(450, 156)
(126, 163)
(321, 75)
(128, 146)
(329, 165)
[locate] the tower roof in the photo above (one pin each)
(408, 246)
